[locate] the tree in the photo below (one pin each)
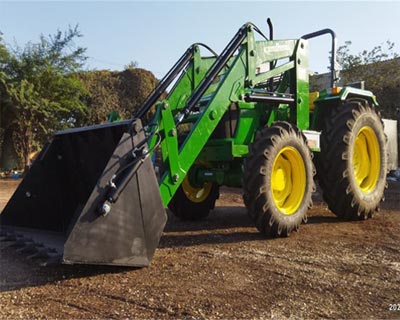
(379, 68)
(3, 57)
(347, 60)
(132, 65)
(136, 85)
(28, 108)
(102, 97)
(111, 91)
(41, 91)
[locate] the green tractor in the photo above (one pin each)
(244, 118)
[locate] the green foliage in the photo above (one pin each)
(102, 96)
(40, 92)
(3, 51)
(379, 68)
(109, 91)
(28, 112)
(348, 60)
(132, 65)
(136, 84)
(43, 89)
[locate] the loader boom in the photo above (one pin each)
(238, 83)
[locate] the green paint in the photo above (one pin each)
(224, 107)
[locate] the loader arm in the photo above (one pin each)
(235, 72)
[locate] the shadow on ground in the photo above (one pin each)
(28, 273)
(225, 224)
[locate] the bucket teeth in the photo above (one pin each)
(8, 238)
(18, 244)
(52, 261)
(47, 256)
(21, 242)
(40, 254)
(27, 246)
(4, 233)
(29, 249)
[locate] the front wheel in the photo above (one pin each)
(278, 180)
(194, 202)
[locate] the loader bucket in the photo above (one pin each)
(55, 213)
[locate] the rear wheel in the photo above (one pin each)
(352, 165)
(278, 180)
(191, 202)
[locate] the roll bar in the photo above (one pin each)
(334, 72)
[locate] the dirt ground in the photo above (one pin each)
(223, 268)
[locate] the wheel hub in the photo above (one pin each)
(288, 180)
(196, 194)
(366, 160)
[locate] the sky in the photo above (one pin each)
(156, 33)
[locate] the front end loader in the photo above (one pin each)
(244, 118)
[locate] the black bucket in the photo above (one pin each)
(61, 195)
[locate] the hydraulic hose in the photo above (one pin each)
(165, 82)
(215, 69)
(169, 78)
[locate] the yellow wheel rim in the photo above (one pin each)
(366, 160)
(288, 180)
(196, 194)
